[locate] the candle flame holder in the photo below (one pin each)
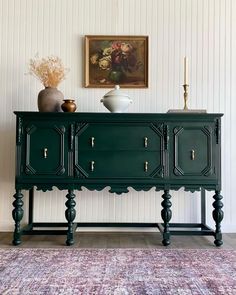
(185, 96)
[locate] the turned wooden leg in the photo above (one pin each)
(70, 216)
(17, 214)
(218, 215)
(166, 215)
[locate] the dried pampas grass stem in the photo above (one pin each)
(50, 70)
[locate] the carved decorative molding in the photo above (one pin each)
(71, 144)
(80, 128)
(217, 130)
(162, 131)
(80, 172)
(18, 130)
(114, 188)
(159, 171)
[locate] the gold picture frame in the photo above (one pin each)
(112, 60)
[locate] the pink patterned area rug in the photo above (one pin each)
(117, 271)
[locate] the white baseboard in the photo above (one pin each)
(229, 228)
(7, 226)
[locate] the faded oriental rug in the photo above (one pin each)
(117, 271)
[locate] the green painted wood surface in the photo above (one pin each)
(95, 150)
(119, 153)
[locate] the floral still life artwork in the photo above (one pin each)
(111, 60)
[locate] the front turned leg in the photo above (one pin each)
(17, 214)
(70, 216)
(218, 215)
(166, 215)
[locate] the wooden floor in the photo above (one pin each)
(118, 240)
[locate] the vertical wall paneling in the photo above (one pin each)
(203, 30)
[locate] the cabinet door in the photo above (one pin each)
(45, 147)
(193, 150)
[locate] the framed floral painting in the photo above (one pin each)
(111, 60)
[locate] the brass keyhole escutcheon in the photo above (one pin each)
(45, 153)
(192, 155)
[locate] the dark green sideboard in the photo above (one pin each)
(96, 150)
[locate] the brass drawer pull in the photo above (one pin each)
(92, 141)
(92, 165)
(146, 166)
(145, 142)
(45, 153)
(192, 155)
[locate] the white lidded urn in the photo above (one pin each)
(116, 101)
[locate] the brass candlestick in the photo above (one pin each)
(185, 96)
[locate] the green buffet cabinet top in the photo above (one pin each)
(95, 150)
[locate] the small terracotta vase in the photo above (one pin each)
(50, 100)
(69, 105)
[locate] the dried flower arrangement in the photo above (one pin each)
(50, 70)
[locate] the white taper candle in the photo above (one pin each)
(185, 70)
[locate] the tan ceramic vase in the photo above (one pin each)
(50, 100)
(68, 105)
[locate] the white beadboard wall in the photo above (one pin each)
(203, 30)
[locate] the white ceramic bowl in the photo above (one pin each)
(116, 101)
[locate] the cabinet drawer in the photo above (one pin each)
(122, 136)
(121, 164)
